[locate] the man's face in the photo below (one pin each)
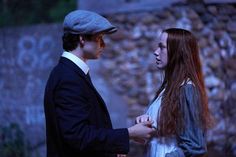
(161, 52)
(93, 47)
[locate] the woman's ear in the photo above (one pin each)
(81, 41)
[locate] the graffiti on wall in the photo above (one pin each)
(25, 66)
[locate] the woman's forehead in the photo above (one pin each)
(163, 38)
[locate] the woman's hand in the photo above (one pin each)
(143, 118)
(146, 119)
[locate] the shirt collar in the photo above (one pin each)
(79, 62)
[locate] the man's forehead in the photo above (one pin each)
(101, 34)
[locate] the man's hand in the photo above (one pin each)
(141, 132)
(121, 155)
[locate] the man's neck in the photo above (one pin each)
(78, 53)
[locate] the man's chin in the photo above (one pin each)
(92, 57)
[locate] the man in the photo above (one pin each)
(77, 121)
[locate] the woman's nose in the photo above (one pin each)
(156, 52)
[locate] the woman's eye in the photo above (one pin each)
(162, 47)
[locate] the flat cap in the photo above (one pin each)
(87, 22)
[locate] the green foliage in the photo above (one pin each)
(12, 143)
(21, 12)
(58, 12)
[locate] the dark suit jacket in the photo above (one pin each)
(77, 121)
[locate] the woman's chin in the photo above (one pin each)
(160, 67)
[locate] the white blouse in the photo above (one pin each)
(158, 147)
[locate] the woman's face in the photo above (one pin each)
(161, 52)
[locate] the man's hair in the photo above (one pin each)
(70, 41)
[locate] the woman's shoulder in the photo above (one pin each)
(189, 95)
(190, 103)
(188, 87)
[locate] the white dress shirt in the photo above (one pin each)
(79, 62)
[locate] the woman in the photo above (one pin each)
(179, 111)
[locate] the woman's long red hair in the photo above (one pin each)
(183, 63)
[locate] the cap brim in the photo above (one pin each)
(111, 30)
(108, 31)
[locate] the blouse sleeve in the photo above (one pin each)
(191, 140)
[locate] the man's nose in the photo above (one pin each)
(102, 44)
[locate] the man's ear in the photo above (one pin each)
(81, 41)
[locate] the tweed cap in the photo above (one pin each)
(86, 22)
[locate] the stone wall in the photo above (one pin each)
(27, 54)
(129, 63)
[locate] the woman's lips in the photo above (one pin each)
(158, 60)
